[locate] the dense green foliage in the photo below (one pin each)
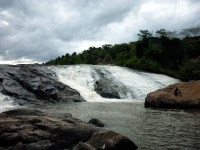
(165, 52)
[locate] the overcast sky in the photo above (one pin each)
(40, 30)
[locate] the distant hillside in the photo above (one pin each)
(170, 53)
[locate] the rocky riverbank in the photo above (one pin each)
(30, 85)
(25, 129)
(179, 95)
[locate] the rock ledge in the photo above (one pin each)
(179, 95)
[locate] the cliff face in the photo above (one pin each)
(179, 95)
(34, 85)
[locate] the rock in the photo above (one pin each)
(35, 126)
(110, 140)
(30, 85)
(83, 146)
(96, 122)
(36, 130)
(63, 144)
(41, 145)
(179, 95)
(105, 89)
(104, 85)
(19, 146)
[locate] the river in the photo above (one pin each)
(148, 128)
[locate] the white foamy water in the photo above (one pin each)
(6, 103)
(131, 84)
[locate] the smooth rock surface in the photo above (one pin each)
(29, 85)
(179, 95)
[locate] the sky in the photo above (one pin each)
(36, 31)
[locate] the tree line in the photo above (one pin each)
(166, 52)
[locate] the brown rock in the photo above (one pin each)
(179, 95)
(110, 140)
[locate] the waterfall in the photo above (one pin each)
(129, 84)
(7, 104)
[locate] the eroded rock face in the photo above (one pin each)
(34, 85)
(35, 129)
(179, 95)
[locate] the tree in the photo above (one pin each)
(79, 60)
(191, 32)
(144, 34)
(161, 32)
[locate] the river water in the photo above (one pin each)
(150, 129)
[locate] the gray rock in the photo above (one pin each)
(30, 85)
(96, 122)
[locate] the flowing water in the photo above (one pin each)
(150, 129)
(6, 103)
(131, 84)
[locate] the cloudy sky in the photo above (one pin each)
(40, 30)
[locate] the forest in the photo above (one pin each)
(176, 54)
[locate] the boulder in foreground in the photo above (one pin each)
(107, 140)
(179, 95)
(32, 129)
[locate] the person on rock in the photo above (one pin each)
(177, 92)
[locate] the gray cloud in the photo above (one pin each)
(37, 31)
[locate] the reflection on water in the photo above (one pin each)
(149, 128)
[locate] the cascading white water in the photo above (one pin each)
(131, 84)
(7, 104)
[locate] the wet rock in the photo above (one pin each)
(179, 95)
(104, 86)
(30, 85)
(96, 122)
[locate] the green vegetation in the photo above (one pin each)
(171, 53)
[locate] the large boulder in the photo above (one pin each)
(107, 140)
(104, 85)
(34, 85)
(179, 95)
(38, 130)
